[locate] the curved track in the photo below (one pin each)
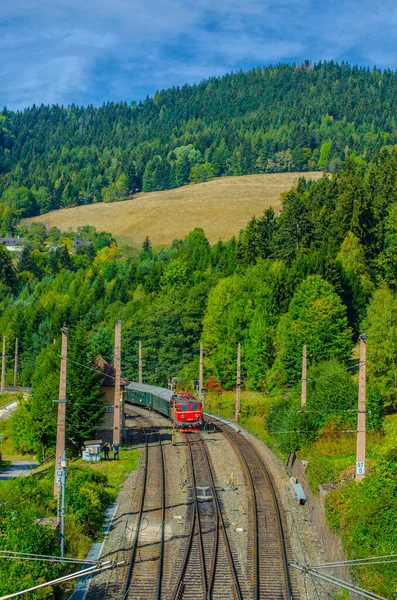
(271, 578)
(207, 570)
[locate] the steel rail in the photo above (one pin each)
(138, 527)
(256, 522)
(195, 522)
(220, 519)
(280, 523)
(163, 508)
(232, 435)
(140, 518)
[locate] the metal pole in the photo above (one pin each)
(304, 377)
(63, 511)
(201, 373)
(3, 365)
(16, 363)
(58, 466)
(361, 416)
(140, 379)
(60, 445)
(238, 386)
(117, 407)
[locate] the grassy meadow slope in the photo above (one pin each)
(221, 207)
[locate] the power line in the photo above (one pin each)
(371, 560)
(11, 554)
(90, 571)
(335, 581)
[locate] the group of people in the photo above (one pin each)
(106, 451)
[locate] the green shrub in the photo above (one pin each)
(86, 497)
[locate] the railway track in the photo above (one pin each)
(207, 568)
(268, 552)
(199, 563)
(144, 575)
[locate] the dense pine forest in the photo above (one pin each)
(272, 119)
(318, 273)
(315, 274)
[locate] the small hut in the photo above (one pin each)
(107, 376)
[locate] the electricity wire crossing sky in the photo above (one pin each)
(93, 51)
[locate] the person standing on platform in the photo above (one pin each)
(106, 451)
(116, 451)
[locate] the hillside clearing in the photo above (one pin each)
(221, 207)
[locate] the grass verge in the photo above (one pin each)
(29, 510)
(7, 398)
(255, 408)
(221, 207)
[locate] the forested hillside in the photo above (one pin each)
(315, 274)
(271, 119)
(335, 241)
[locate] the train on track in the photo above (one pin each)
(182, 408)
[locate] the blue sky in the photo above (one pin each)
(91, 51)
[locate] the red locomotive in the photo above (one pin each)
(186, 411)
(182, 407)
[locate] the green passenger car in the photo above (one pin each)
(150, 396)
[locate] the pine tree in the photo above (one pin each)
(7, 272)
(85, 408)
(147, 246)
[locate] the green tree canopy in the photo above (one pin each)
(316, 317)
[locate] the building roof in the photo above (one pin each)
(107, 374)
(151, 389)
(77, 242)
(12, 241)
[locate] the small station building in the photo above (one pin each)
(107, 375)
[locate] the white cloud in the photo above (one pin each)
(91, 51)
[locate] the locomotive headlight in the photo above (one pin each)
(197, 416)
(182, 416)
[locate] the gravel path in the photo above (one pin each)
(8, 409)
(19, 468)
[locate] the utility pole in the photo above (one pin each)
(3, 365)
(60, 475)
(304, 377)
(238, 383)
(140, 378)
(60, 445)
(201, 375)
(361, 417)
(63, 507)
(16, 363)
(117, 385)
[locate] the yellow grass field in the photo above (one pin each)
(221, 207)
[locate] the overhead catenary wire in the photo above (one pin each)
(11, 554)
(371, 560)
(83, 573)
(335, 581)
